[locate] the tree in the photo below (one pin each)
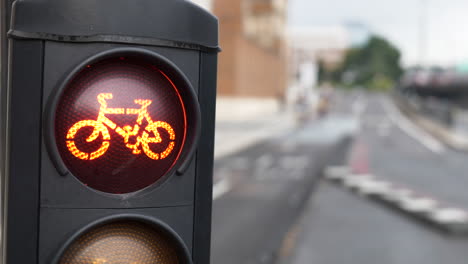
(375, 65)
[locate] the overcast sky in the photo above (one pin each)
(398, 21)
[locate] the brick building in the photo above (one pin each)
(252, 36)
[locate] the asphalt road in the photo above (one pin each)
(339, 226)
(264, 190)
(407, 160)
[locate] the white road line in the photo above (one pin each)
(451, 218)
(336, 172)
(412, 130)
(375, 187)
(397, 194)
(220, 188)
(416, 205)
(450, 215)
(356, 180)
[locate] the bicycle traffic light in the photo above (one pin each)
(110, 128)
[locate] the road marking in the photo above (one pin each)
(263, 167)
(397, 194)
(451, 219)
(356, 180)
(375, 187)
(221, 188)
(412, 130)
(291, 167)
(423, 204)
(336, 172)
(359, 158)
(450, 215)
(294, 162)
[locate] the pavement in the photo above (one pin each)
(345, 221)
(242, 122)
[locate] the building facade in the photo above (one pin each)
(325, 44)
(252, 36)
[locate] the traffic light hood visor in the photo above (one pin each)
(140, 22)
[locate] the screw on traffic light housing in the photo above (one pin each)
(110, 127)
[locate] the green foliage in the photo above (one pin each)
(380, 83)
(375, 66)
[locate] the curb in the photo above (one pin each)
(449, 219)
(441, 132)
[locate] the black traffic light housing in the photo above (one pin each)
(50, 41)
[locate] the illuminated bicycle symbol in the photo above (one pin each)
(149, 135)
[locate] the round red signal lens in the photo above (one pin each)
(125, 242)
(120, 124)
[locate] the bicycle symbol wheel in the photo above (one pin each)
(99, 128)
(146, 140)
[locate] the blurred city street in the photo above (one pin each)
(344, 227)
(260, 191)
(399, 190)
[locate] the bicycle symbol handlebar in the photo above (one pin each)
(150, 134)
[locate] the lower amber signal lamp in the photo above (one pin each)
(125, 242)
